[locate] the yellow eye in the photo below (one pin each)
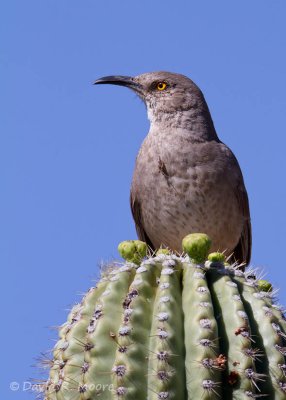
(161, 86)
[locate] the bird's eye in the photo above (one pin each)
(161, 86)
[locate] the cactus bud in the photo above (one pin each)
(197, 246)
(133, 250)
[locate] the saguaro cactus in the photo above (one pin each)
(172, 327)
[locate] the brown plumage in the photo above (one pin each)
(185, 179)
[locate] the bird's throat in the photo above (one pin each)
(198, 124)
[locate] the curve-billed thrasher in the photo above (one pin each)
(185, 179)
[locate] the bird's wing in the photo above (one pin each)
(137, 215)
(242, 251)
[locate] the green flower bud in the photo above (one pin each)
(133, 250)
(216, 257)
(197, 246)
(264, 286)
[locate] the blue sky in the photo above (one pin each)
(68, 148)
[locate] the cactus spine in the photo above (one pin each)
(170, 327)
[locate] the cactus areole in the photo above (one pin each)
(172, 327)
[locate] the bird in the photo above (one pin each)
(185, 180)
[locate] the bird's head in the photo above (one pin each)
(169, 97)
(161, 91)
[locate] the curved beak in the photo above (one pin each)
(127, 81)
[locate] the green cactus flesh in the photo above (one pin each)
(171, 329)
